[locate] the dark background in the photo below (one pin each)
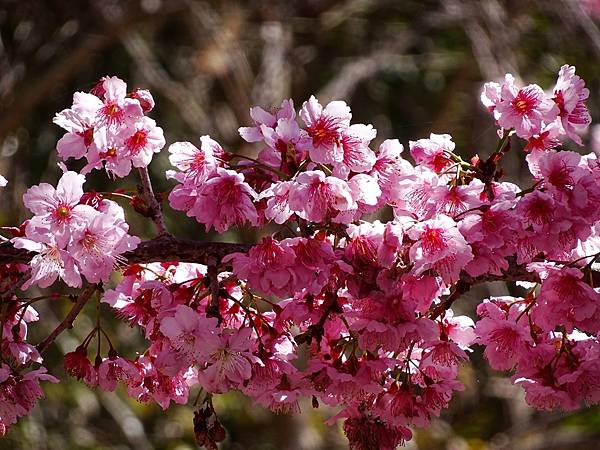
(407, 67)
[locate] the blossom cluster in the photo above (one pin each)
(536, 116)
(72, 233)
(109, 128)
(19, 392)
(355, 314)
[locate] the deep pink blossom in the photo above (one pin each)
(230, 361)
(503, 330)
(325, 126)
(196, 165)
(190, 333)
(439, 246)
(433, 153)
(316, 197)
(225, 200)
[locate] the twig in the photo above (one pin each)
(460, 288)
(69, 319)
(152, 201)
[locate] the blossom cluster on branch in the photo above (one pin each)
(352, 313)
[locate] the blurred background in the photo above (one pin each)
(407, 67)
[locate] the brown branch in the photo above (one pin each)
(439, 309)
(69, 319)
(169, 248)
(161, 248)
(152, 201)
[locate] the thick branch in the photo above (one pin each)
(161, 248)
(68, 320)
(169, 248)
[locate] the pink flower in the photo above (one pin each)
(50, 263)
(453, 200)
(363, 243)
(288, 145)
(114, 369)
(115, 107)
(79, 121)
(582, 383)
(390, 166)
(412, 195)
(190, 333)
(230, 361)
(566, 299)
(365, 190)
(278, 209)
(98, 245)
(269, 267)
(368, 433)
(316, 197)
(355, 154)
(525, 109)
(537, 210)
(108, 150)
(325, 126)
(433, 153)
(183, 197)
(503, 331)
(56, 211)
(144, 97)
(109, 129)
(263, 118)
(158, 386)
(196, 165)
(546, 397)
(141, 301)
(547, 139)
(560, 171)
(539, 372)
(490, 95)
(79, 366)
(19, 394)
(314, 258)
(393, 236)
(570, 95)
(225, 200)
(439, 246)
(141, 140)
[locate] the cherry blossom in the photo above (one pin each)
(343, 291)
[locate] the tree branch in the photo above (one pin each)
(161, 248)
(68, 320)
